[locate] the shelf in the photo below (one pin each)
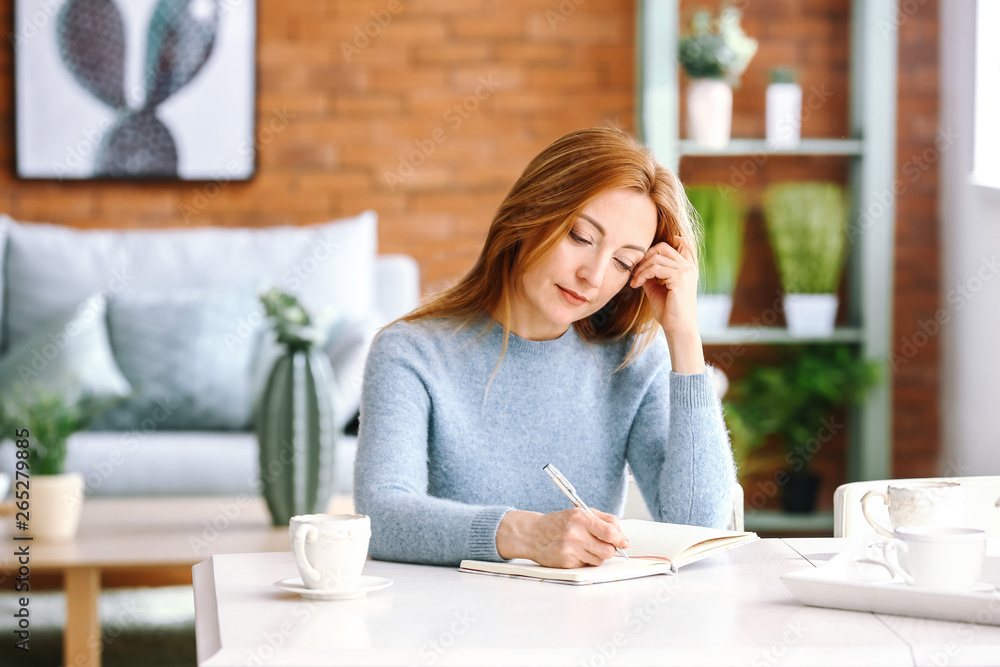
(765, 521)
(738, 147)
(750, 335)
(869, 146)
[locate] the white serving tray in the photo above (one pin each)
(843, 583)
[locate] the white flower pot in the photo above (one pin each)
(810, 315)
(784, 115)
(55, 504)
(714, 311)
(710, 112)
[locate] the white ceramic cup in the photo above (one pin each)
(918, 504)
(330, 549)
(944, 558)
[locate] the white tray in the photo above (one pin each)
(843, 583)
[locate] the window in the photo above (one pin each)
(986, 142)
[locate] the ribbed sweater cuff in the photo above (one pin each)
(483, 534)
(692, 391)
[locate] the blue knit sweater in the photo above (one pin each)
(444, 452)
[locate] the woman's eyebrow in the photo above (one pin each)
(603, 232)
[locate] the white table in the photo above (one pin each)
(149, 534)
(730, 609)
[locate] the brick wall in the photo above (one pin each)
(917, 419)
(427, 110)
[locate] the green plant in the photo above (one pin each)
(807, 226)
(295, 422)
(717, 48)
(723, 219)
(292, 324)
(795, 399)
(50, 420)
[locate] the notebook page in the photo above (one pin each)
(667, 540)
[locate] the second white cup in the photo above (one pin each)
(937, 557)
(330, 549)
(918, 504)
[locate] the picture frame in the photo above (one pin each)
(135, 90)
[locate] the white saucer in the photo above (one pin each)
(365, 586)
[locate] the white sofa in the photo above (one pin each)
(154, 286)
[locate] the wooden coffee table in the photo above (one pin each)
(121, 535)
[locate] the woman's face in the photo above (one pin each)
(587, 268)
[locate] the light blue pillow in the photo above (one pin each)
(70, 357)
(188, 354)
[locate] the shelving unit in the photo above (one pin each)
(871, 148)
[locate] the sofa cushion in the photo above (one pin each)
(70, 356)
(180, 352)
(50, 268)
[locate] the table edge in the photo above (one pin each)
(208, 638)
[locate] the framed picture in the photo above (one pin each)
(135, 89)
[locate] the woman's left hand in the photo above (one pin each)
(669, 276)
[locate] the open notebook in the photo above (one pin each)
(655, 548)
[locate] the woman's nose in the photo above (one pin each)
(592, 272)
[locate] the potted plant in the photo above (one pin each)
(42, 422)
(723, 225)
(783, 110)
(714, 55)
(295, 424)
(807, 227)
(795, 401)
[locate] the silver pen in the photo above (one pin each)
(573, 496)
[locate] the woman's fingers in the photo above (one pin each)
(573, 537)
(608, 529)
(663, 261)
(658, 268)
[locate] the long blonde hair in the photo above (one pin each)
(540, 210)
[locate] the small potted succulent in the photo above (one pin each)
(723, 222)
(783, 110)
(807, 227)
(714, 55)
(294, 421)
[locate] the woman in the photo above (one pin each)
(548, 352)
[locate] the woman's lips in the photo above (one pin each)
(572, 297)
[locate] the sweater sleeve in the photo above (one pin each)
(390, 473)
(679, 451)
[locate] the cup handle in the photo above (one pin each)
(893, 568)
(895, 546)
(305, 532)
(864, 510)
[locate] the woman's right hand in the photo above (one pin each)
(567, 538)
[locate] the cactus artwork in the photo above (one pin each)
(179, 41)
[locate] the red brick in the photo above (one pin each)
(392, 81)
(533, 52)
(504, 25)
(450, 52)
(366, 105)
(446, 7)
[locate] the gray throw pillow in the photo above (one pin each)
(70, 357)
(188, 354)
